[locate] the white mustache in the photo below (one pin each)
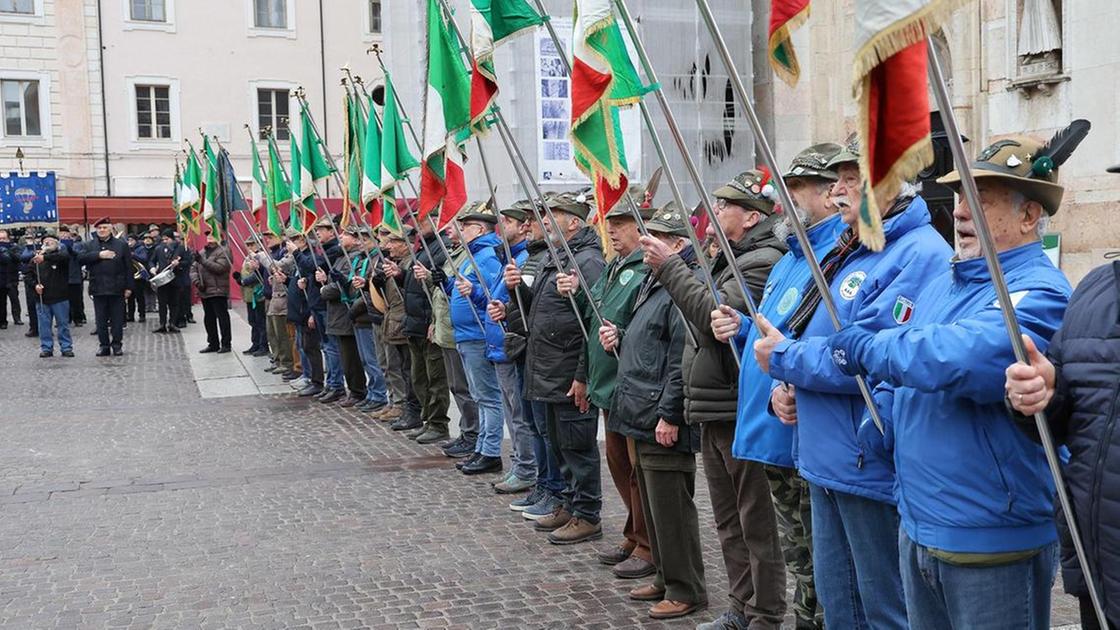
(842, 202)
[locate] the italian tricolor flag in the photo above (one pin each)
(892, 88)
(447, 117)
(258, 183)
(785, 17)
(396, 159)
(603, 79)
(492, 22)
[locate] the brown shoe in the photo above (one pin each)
(614, 555)
(647, 593)
(388, 413)
(349, 401)
(556, 520)
(575, 531)
(633, 568)
(668, 609)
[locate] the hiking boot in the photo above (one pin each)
(431, 436)
(468, 461)
(543, 509)
(412, 434)
(633, 568)
(406, 424)
(614, 555)
(388, 413)
(483, 464)
(575, 531)
(729, 620)
(513, 484)
(529, 500)
(554, 521)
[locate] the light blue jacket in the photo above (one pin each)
(495, 334)
(758, 434)
(969, 480)
(464, 323)
(869, 290)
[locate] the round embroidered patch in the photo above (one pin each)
(625, 277)
(789, 300)
(850, 286)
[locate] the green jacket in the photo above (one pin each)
(615, 292)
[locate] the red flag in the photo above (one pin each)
(785, 17)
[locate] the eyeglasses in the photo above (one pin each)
(721, 204)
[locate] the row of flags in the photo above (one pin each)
(461, 89)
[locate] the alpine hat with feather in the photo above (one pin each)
(1027, 165)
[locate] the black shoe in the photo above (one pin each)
(468, 461)
(117, 352)
(412, 434)
(208, 350)
(190, 320)
(142, 320)
(326, 390)
(459, 451)
(129, 319)
(3, 326)
(31, 333)
(104, 352)
(160, 330)
(406, 424)
(260, 353)
(45, 353)
(249, 351)
(334, 395)
(93, 332)
(289, 376)
(482, 465)
(310, 390)
(224, 350)
(69, 354)
(454, 444)
(172, 329)
(17, 321)
(431, 436)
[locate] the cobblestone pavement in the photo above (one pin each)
(127, 500)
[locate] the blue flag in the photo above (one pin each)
(28, 200)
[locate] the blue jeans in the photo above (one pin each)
(59, 312)
(549, 476)
(855, 561)
(482, 379)
(376, 391)
(331, 354)
(511, 378)
(1014, 596)
(304, 362)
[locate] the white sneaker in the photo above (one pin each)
(299, 383)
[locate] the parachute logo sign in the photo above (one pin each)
(28, 200)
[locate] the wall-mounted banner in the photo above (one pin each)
(28, 200)
(554, 114)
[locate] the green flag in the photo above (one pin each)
(189, 201)
(296, 209)
(396, 160)
(211, 211)
(355, 146)
(277, 191)
(371, 168)
(312, 165)
(259, 186)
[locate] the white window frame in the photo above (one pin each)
(135, 141)
(167, 26)
(261, 31)
(35, 17)
(46, 137)
(254, 120)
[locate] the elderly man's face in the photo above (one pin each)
(847, 193)
(104, 230)
(1012, 221)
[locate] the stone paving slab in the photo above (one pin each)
(128, 500)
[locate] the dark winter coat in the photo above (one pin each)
(54, 274)
(339, 295)
(74, 248)
(555, 342)
(163, 254)
(1084, 414)
(711, 378)
(417, 307)
(9, 263)
(107, 276)
(210, 272)
(648, 385)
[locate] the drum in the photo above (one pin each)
(163, 277)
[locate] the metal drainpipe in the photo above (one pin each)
(104, 107)
(323, 74)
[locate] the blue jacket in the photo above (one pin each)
(759, 436)
(866, 290)
(73, 248)
(495, 334)
(462, 320)
(968, 479)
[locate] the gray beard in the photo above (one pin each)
(783, 229)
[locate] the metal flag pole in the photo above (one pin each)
(376, 50)
(1007, 309)
(288, 185)
(536, 189)
(783, 190)
(494, 200)
(439, 240)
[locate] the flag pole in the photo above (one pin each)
(784, 196)
(537, 194)
(436, 232)
(1007, 309)
(694, 239)
(288, 184)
